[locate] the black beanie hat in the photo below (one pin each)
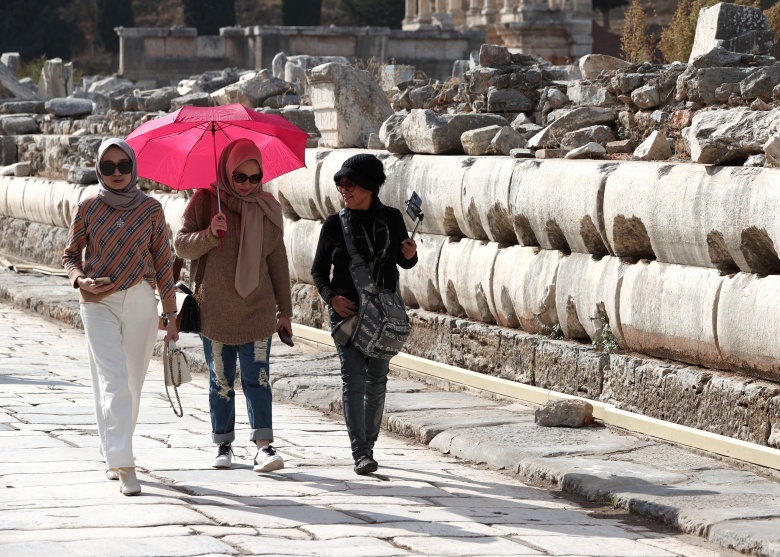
(365, 170)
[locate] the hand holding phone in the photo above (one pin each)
(102, 280)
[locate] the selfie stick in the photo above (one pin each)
(419, 220)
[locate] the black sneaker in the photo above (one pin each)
(223, 456)
(365, 465)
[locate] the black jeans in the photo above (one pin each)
(364, 385)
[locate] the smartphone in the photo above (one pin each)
(414, 206)
(102, 280)
(285, 338)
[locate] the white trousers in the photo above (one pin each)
(121, 330)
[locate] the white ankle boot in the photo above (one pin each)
(112, 474)
(128, 482)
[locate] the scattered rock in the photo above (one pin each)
(551, 153)
(391, 134)
(521, 154)
(591, 65)
(69, 107)
(621, 146)
(506, 140)
(426, 131)
(565, 413)
(654, 148)
(592, 134)
(477, 142)
(587, 151)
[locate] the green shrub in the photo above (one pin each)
(635, 42)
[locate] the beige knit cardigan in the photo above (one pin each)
(225, 316)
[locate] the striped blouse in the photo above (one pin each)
(128, 246)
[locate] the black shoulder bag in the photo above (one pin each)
(382, 325)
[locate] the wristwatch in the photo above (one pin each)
(164, 316)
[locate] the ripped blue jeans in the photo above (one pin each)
(253, 358)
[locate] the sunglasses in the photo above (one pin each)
(108, 168)
(346, 184)
(240, 178)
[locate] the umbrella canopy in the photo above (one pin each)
(180, 149)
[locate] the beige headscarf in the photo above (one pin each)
(253, 208)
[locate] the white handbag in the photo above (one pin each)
(177, 372)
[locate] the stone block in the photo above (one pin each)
(23, 107)
(592, 65)
(485, 200)
(691, 397)
(419, 285)
(522, 291)
(555, 217)
(348, 104)
(466, 278)
(573, 120)
(9, 153)
(508, 100)
(590, 95)
(571, 369)
(592, 134)
(300, 240)
(11, 61)
(299, 192)
(69, 107)
(669, 311)
(392, 136)
(506, 140)
(476, 142)
(428, 132)
(56, 79)
(587, 295)
(210, 47)
(18, 125)
(437, 180)
(721, 136)
(735, 28)
(748, 324)
(551, 153)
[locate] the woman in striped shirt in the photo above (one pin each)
(117, 253)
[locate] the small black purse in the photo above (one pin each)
(188, 320)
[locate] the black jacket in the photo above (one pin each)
(370, 229)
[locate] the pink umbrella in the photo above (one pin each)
(180, 149)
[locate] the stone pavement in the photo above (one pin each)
(55, 499)
(421, 502)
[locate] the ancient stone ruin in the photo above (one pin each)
(607, 230)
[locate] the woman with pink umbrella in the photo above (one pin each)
(237, 227)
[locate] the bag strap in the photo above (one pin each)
(168, 369)
(357, 266)
(198, 264)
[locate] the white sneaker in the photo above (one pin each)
(267, 460)
(223, 456)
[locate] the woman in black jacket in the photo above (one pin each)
(380, 235)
